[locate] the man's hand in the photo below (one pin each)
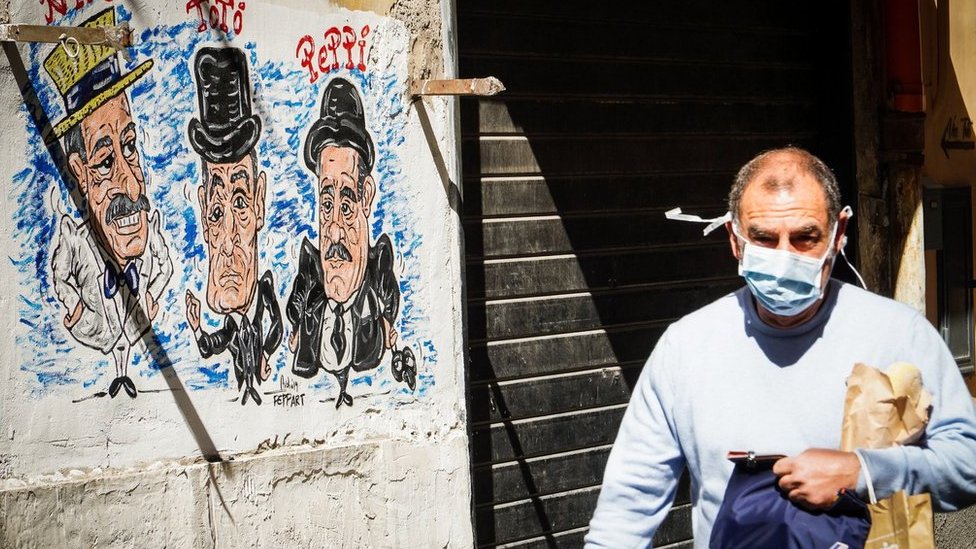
(293, 341)
(813, 478)
(192, 311)
(152, 306)
(72, 318)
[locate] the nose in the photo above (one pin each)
(229, 235)
(131, 178)
(334, 230)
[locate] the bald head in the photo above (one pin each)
(778, 170)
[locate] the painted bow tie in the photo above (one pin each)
(113, 280)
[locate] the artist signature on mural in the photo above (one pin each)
(328, 56)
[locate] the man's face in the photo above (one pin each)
(111, 179)
(343, 221)
(790, 219)
(232, 208)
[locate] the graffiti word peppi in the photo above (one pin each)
(328, 57)
(289, 400)
(216, 14)
(61, 7)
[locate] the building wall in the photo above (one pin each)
(191, 459)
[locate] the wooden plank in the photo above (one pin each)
(574, 313)
(505, 115)
(598, 271)
(544, 195)
(525, 519)
(526, 478)
(541, 356)
(546, 435)
(595, 155)
(553, 235)
(728, 13)
(550, 395)
(565, 511)
(519, 34)
(559, 77)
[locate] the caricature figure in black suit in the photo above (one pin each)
(345, 297)
(231, 197)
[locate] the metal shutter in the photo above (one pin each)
(614, 112)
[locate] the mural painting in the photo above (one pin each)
(231, 198)
(213, 189)
(109, 269)
(345, 298)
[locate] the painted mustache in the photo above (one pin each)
(122, 206)
(337, 249)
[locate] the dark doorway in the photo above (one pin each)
(613, 114)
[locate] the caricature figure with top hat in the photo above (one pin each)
(109, 270)
(231, 198)
(345, 297)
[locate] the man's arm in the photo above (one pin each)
(645, 463)
(945, 462)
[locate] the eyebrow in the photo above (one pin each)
(130, 127)
(104, 141)
(215, 181)
(329, 190)
(239, 174)
(347, 192)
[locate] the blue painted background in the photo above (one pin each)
(163, 102)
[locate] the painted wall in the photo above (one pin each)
(231, 245)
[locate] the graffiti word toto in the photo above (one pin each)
(289, 400)
(215, 16)
(341, 47)
(61, 7)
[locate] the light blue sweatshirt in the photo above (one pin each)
(721, 379)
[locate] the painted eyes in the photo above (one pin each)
(216, 214)
(129, 149)
(240, 203)
(104, 168)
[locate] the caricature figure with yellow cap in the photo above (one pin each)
(109, 270)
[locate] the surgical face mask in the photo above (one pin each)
(785, 283)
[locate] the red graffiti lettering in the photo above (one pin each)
(214, 14)
(332, 39)
(327, 55)
(61, 8)
(304, 52)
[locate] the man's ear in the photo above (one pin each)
(734, 242)
(369, 192)
(202, 199)
(840, 239)
(259, 188)
(77, 167)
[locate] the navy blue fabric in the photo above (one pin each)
(756, 514)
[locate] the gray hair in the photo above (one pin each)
(807, 162)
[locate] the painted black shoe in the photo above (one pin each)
(130, 388)
(113, 388)
(344, 398)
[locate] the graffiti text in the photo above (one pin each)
(341, 47)
(215, 15)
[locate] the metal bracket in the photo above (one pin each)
(118, 37)
(462, 86)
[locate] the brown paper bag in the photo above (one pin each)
(901, 522)
(882, 409)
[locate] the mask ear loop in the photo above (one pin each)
(843, 244)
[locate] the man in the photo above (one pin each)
(111, 269)
(231, 200)
(764, 369)
(345, 297)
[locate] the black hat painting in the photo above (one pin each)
(341, 123)
(226, 129)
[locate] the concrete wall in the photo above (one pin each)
(127, 405)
